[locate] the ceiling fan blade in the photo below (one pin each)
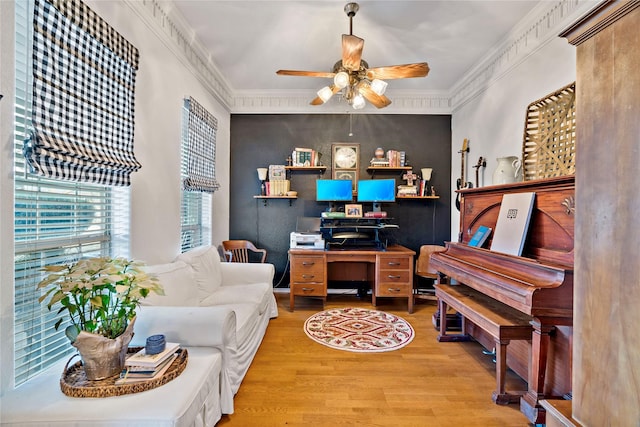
(351, 51)
(419, 69)
(318, 101)
(379, 101)
(324, 74)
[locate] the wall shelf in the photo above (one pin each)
(266, 198)
(306, 168)
(417, 197)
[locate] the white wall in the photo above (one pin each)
(494, 120)
(163, 80)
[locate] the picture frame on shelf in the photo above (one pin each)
(353, 210)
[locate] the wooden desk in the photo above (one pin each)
(393, 271)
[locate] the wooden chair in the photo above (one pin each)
(425, 271)
(242, 251)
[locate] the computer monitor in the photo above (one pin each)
(333, 190)
(377, 191)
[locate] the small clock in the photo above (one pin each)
(345, 156)
(345, 160)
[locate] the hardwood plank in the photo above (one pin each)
(294, 381)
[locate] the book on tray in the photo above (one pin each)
(151, 360)
(144, 367)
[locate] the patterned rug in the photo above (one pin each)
(359, 329)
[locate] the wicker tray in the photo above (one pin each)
(549, 144)
(74, 382)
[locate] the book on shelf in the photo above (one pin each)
(302, 157)
(513, 223)
(480, 236)
(407, 190)
(141, 359)
(129, 375)
(277, 187)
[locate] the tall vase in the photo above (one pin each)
(103, 357)
(509, 170)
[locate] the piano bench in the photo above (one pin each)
(499, 320)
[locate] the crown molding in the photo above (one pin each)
(253, 102)
(545, 21)
(169, 25)
(537, 28)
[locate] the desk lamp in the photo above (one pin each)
(262, 176)
(426, 175)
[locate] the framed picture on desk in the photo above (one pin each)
(353, 211)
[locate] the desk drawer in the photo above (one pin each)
(307, 269)
(309, 289)
(394, 276)
(394, 263)
(389, 289)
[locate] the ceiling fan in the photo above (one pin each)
(352, 74)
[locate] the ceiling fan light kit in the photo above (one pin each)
(352, 76)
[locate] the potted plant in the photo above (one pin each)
(100, 297)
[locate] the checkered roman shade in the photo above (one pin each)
(201, 149)
(83, 96)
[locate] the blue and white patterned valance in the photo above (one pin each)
(201, 149)
(83, 96)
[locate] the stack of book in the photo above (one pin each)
(407, 190)
(141, 367)
(396, 158)
(305, 157)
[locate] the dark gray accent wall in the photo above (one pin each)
(262, 140)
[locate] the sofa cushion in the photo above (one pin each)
(255, 293)
(205, 261)
(177, 279)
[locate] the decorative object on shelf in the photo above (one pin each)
(100, 296)
(262, 176)
(378, 158)
(509, 170)
(409, 176)
(549, 143)
(352, 76)
(482, 163)
(462, 182)
(425, 187)
(345, 160)
(359, 329)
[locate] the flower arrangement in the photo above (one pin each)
(100, 295)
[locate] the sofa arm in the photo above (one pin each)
(238, 273)
(189, 326)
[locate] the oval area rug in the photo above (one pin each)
(359, 329)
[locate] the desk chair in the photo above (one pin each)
(242, 251)
(425, 271)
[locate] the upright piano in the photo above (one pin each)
(539, 283)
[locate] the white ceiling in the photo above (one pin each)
(250, 40)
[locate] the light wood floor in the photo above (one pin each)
(294, 381)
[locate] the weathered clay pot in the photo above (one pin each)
(103, 357)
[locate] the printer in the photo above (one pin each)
(302, 240)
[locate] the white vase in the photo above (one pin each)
(509, 170)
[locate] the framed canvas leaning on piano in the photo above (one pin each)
(539, 283)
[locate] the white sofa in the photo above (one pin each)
(208, 303)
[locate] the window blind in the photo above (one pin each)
(83, 103)
(200, 149)
(195, 212)
(55, 222)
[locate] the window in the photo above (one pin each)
(55, 221)
(197, 173)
